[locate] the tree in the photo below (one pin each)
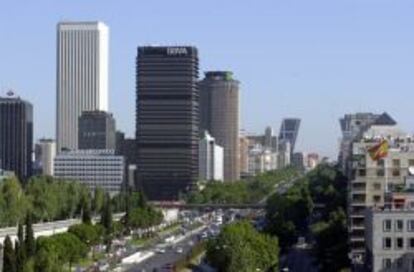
(91, 235)
(106, 215)
(13, 203)
(86, 211)
(98, 200)
(331, 242)
(240, 248)
(9, 259)
(46, 261)
(29, 241)
(19, 249)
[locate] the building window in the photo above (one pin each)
(411, 243)
(396, 172)
(377, 186)
(381, 163)
(410, 226)
(410, 162)
(399, 263)
(399, 225)
(387, 243)
(399, 243)
(380, 172)
(396, 163)
(386, 263)
(387, 225)
(362, 172)
(376, 198)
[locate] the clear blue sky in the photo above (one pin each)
(313, 59)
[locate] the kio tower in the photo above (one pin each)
(167, 121)
(82, 76)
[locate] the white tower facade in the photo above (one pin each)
(47, 156)
(210, 159)
(82, 76)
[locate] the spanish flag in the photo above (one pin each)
(379, 151)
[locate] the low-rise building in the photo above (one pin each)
(94, 168)
(389, 239)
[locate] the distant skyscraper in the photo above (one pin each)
(82, 76)
(96, 130)
(210, 159)
(167, 129)
(16, 136)
(289, 131)
(45, 154)
(219, 115)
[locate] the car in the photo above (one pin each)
(160, 250)
(179, 250)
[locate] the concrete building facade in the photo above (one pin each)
(82, 76)
(210, 159)
(371, 180)
(93, 168)
(45, 156)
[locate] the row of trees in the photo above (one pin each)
(57, 251)
(328, 188)
(240, 248)
(46, 199)
(289, 215)
(15, 257)
(250, 191)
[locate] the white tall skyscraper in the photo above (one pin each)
(82, 76)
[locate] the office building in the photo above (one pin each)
(96, 130)
(261, 159)
(284, 154)
(93, 168)
(298, 160)
(312, 161)
(82, 76)
(16, 136)
(389, 234)
(352, 127)
(219, 115)
(244, 156)
(371, 180)
(167, 116)
(289, 131)
(45, 152)
(126, 147)
(210, 159)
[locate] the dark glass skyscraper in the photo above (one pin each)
(167, 121)
(96, 130)
(289, 131)
(16, 136)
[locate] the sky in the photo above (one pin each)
(315, 60)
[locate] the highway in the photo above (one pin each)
(160, 261)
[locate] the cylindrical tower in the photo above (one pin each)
(219, 114)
